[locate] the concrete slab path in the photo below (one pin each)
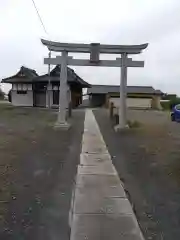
(100, 208)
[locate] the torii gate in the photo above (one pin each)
(94, 49)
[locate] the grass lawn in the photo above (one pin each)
(158, 139)
(20, 129)
(147, 159)
(38, 165)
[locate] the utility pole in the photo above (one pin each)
(49, 81)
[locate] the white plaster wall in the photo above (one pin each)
(133, 102)
(20, 86)
(22, 99)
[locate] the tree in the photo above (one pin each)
(9, 96)
(2, 94)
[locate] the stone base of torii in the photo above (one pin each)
(95, 49)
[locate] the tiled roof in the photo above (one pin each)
(24, 75)
(55, 76)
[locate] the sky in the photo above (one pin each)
(156, 22)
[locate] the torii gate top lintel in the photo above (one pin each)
(86, 48)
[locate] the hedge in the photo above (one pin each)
(169, 105)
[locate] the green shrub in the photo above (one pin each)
(130, 123)
(166, 105)
(170, 104)
(174, 102)
(1, 94)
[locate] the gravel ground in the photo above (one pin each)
(40, 168)
(148, 163)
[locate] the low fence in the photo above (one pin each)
(114, 113)
(139, 103)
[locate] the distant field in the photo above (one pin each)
(4, 102)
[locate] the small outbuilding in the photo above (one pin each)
(32, 90)
(137, 96)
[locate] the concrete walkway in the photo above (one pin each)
(100, 208)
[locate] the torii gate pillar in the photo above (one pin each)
(61, 121)
(123, 93)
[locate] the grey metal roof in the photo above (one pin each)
(103, 89)
(159, 92)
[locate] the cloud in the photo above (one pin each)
(110, 22)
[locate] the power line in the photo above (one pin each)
(39, 16)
